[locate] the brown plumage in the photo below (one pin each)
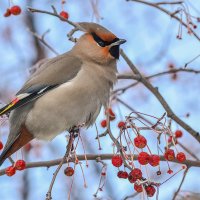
(65, 91)
(23, 138)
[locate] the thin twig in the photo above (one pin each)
(169, 2)
(150, 123)
(55, 14)
(186, 64)
(182, 181)
(42, 40)
(11, 160)
(131, 196)
(65, 158)
(137, 77)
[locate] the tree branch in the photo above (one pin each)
(137, 77)
(167, 72)
(55, 14)
(92, 157)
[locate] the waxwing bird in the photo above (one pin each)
(66, 91)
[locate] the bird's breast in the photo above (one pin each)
(73, 103)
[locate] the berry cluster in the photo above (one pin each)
(121, 125)
(174, 138)
(170, 155)
(190, 25)
(150, 189)
(14, 10)
(18, 165)
(134, 176)
(145, 157)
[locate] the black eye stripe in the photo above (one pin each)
(101, 42)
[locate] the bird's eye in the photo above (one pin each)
(101, 43)
(98, 40)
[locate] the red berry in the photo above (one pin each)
(111, 114)
(64, 14)
(134, 175)
(170, 171)
(20, 165)
(143, 158)
(138, 188)
(150, 190)
(140, 141)
(15, 10)
(69, 171)
(104, 123)
(169, 154)
(170, 139)
(122, 174)
(103, 174)
(27, 147)
(178, 133)
(121, 125)
(125, 175)
(158, 173)
(7, 13)
(183, 167)
(119, 174)
(174, 76)
(171, 65)
(1, 145)
(117, 160)
(181, 157)
(10, 171)
(154, 160)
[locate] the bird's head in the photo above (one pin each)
(98, 43)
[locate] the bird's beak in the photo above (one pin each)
(118, 42)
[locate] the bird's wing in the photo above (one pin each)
(52, 73)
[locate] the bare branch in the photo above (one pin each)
(167, 72)
(42, 40)
(169, 2)
(168, 13)
(137, 77)
(55, 14)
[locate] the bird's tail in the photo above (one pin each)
(12, 146)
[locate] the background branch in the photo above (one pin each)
(93, 157)
(172, 15)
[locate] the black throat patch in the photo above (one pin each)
(114, 51)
